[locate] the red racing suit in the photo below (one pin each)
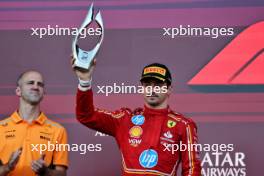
(147, 138)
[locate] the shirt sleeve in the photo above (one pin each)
(101, 120)
(60, 157)
(4, 155)
(191, 165)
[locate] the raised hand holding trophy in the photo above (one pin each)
(84, 59)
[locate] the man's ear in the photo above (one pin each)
(18, 91)
(169, 90)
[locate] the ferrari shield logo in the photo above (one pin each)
(171, 123)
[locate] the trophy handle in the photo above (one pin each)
(85, 58)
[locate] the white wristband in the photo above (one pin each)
(85, 85)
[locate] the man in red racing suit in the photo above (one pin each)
(149, 139)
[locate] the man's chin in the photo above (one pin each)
(153, 103)
(35, 101)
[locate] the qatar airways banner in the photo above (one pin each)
(214, 50)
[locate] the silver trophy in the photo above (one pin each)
(83, 59)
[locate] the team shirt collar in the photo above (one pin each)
(148, 110)
(41, 118)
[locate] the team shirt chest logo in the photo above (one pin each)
(148, 158)
(138, 119)
(168, 137)
(171, 123)
(136, 131)
(10, 134)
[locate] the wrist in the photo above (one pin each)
(84, 78)
(85, 84)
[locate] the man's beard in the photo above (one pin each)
(155, 102)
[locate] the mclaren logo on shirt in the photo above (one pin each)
(44, 137)
(10, 134)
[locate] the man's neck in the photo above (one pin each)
(28, 112)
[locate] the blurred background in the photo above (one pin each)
(218, 82)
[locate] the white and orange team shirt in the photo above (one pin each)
(16, 133)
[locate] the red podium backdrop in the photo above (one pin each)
(217, 81)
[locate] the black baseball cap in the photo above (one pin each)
(156, 71)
